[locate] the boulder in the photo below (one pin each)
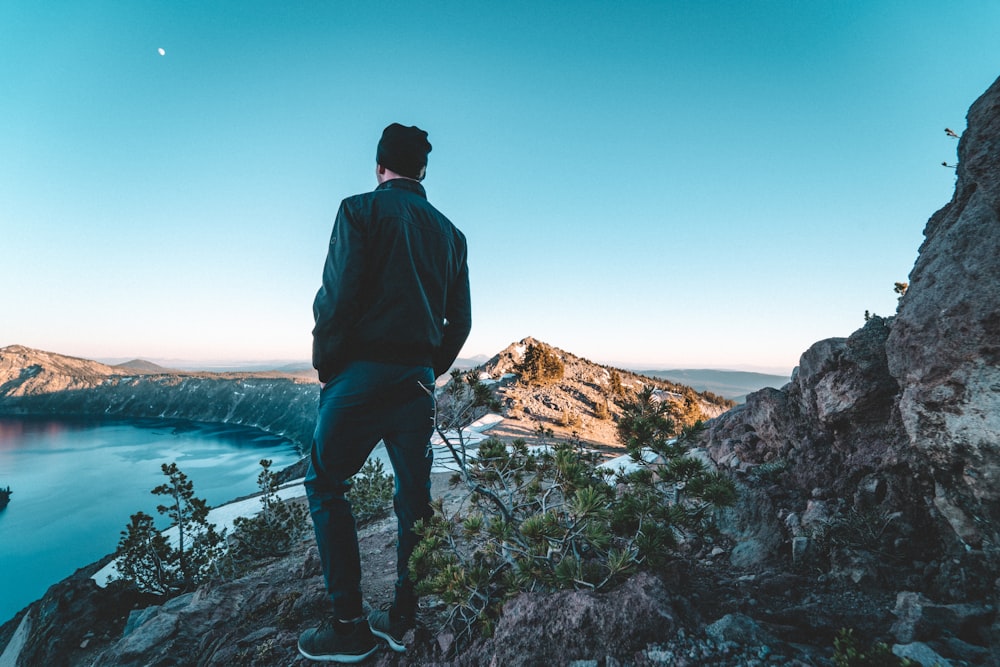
(576, 625)
(920, 619)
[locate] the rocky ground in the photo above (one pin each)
(255, 620)
(698, 610)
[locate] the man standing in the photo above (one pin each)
(392, 314)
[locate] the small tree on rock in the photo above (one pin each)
(146, 557)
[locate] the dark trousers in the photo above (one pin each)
(365, 403)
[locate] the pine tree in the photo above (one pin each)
(147, 559)
(540, 365)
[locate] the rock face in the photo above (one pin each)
(944, 348)
(888, 442)
(42, 383)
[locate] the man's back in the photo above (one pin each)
(415, 261)
(395, 284)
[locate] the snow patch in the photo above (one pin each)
(13, 650)
(626, 464)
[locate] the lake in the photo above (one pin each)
(76, 482)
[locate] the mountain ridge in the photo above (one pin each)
(731, 384)
(283, 403)
(37, 382)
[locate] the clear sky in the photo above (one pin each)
(651, 184)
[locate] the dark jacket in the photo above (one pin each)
(395, 284)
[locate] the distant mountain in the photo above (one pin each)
(582, 403)
(302, 368)
(734, 385)
(142, 366)
(35, 382)
(465, 363)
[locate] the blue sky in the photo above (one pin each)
(650, 184)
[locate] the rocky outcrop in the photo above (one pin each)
(576, 625)
(33, 382)
(582, 403)
(880, 460)
(944, 348)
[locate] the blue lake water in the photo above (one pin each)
(76, 482)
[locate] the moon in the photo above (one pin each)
(162, 52)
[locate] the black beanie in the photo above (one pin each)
(403, 150)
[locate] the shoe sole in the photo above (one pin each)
(338, 657)
(393, 643)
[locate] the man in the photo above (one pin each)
(392, 314)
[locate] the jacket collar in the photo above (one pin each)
(403, 184)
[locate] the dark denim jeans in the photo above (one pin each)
(365, 403)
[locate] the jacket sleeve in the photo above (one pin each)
(458, 313)
(335, 308)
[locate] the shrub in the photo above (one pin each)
(371, 492)
(769, 472)
(645, 422)
(143, 555)
(601, 411)
(569, 418)
(272, 531)
(685, 411)
(550, 518)
(848, 653)
(615, 386)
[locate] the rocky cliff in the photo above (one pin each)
(944, 345)
(879, 461)
(37, 382)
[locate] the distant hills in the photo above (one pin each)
(36, 382)
(734, 385)
(280, 397)
(142, 366)
(298, 368)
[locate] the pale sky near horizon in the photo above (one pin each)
(648, 184)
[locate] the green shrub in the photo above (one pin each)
(551, 519)
(273, 530)
(847, 653)
(371, 492)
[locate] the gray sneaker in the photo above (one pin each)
(391, 628)
(334, 641)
